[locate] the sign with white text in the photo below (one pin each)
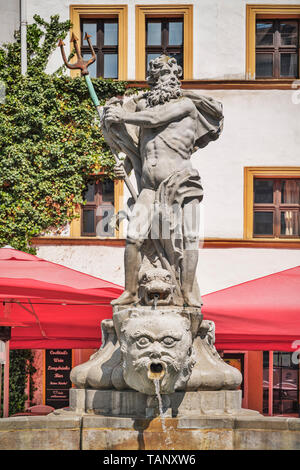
(57, 377)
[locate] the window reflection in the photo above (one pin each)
(110, 66)
(110, 34)
(98, 209)
(264, 33)
(91, 29)
(153, 33)
(175, 33)
(263, 190)
(92, 67)
(263, 223)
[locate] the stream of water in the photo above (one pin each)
(166, 431)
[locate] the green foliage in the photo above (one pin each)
(50, 140)
(21, 368)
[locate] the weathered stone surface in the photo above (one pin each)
(294, 424)
(150, 435)
(266, 439)
(40, 433)
(113, 403)
(203, 433)
(133, 404)
(261, 422)
(92, 432)
(77, 399)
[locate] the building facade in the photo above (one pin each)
(245, 55)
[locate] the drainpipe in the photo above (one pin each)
(23, 23)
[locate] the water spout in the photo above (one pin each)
(156, 371)
(155, 300)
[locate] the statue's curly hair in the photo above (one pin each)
(163, 91)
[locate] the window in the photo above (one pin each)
(98, 210)
(108, 26)
(277, 43)
(164, 29)
(164, 36)
(104, 38)
(285, 384)
(272, 203)
(272, 33)
(276, 207)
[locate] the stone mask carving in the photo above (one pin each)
(156, 344)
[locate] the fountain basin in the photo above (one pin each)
(74, 431)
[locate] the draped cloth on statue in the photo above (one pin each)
(171, 196)
(210, 118)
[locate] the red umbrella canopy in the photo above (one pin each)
(262, 314)
(60, 307)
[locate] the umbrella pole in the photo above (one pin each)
(6, 382)
(271, 383)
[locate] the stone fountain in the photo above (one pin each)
(157, 382)
(157, 357)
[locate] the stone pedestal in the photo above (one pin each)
(134, 404)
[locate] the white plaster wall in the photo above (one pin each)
(219, 32)
(217, 268)
(261, 128)
(105, 262)
(10, 19)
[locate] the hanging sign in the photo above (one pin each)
(57, 377)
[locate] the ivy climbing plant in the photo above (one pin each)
(21, 370)
(50, 140)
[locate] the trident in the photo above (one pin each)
(83, 65)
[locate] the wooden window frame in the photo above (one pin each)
(264, 173)
(164, 47)
(76, 224)
(79, 12)
(100, 49)
(255, 12)
(276, 207)
(143, 12)
(277, 49)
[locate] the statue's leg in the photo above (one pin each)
(191, 222)
(138, 230)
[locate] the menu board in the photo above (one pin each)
(57, 377)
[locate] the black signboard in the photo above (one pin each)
(58, 383)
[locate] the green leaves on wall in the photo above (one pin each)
(50, 140)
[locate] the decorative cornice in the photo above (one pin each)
(208, 243)
(260, 84)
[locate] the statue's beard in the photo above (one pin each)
(163, 92)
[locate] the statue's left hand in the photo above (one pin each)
(113, 114)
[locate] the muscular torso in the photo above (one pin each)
(166, 149)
